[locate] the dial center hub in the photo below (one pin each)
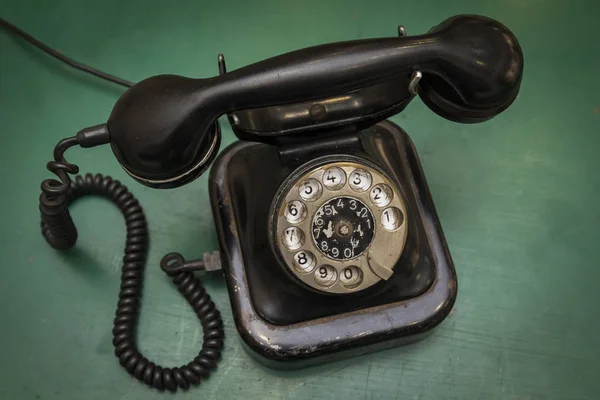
(343, 228)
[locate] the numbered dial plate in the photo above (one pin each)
(343, 228)
(339, 227)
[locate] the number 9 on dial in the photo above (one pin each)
(325, 275)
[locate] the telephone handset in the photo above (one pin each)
(329, 239)
(162, 130)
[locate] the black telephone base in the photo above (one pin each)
(287, 325)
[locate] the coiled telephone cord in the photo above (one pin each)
(60, 232)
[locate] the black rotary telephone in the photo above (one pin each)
(330, 243)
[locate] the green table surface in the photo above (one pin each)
(517, 197)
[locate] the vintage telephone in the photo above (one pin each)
(330, 243)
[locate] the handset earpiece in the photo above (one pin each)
(480, 65)
(164, 130)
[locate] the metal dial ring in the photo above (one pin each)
(351, 221)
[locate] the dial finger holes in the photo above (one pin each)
(334, 178)
(293, 238)
(351, 277)
(392, 218)
(381, 195)
(325, 275)
(304, 262)
(295, 212)
(329, 215)
(360, 180)
(310, 190)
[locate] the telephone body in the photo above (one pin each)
(329, 240)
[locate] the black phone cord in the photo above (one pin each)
(59, 231)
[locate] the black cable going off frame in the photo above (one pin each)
(59, 231)
(61, 57)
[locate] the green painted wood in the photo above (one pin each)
(517, 198)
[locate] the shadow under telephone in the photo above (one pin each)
(329, 239)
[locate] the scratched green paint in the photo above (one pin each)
(517, 197)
